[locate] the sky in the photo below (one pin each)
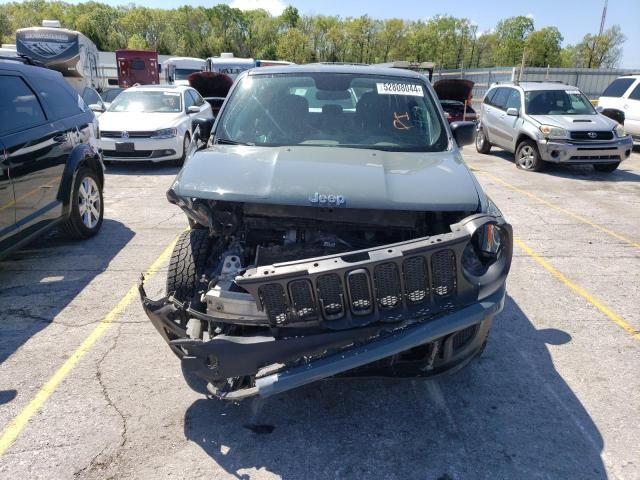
(574, 18)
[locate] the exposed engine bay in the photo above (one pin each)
(250, 236)
(267, 234)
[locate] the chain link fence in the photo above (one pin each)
(592, 81)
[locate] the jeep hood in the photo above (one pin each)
(576, 122)
(363, 178)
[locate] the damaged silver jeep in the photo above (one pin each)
(335, 230)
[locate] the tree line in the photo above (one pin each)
(448, 41)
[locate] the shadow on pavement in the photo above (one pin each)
(509, 414)
(576, 172)
(38, 282)
(7, 396)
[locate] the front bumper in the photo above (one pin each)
(576, 152)
(145, 149)
(267, 357)
(375, 307)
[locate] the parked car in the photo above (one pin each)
(108, 96)
(50, 170)
(151, 123)
(325, 240)
(455, 97)
(623, 97)
(550, 122)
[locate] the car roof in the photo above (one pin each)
(546, 86)
(169, 88)
(530, 86)
(28, 70)
(337, 68)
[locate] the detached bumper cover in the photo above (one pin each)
(226, 356)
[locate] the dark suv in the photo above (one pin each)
(50, 169)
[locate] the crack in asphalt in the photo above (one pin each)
(25, 313)
(93, 463)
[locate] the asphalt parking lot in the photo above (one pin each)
(89, 390)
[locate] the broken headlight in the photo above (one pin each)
(483, 250)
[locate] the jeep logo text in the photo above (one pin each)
(327, 200)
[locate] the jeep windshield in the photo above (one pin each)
(333, 110)
(557, 102)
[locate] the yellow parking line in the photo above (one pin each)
(11, 432)
(615, 318)
(563, 210)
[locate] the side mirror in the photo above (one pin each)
(464, 133)
(599, 109)
(512, 112)
(193, 109)
(613, 114)
(201, 128)
(97, 107)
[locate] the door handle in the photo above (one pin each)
(626, 106)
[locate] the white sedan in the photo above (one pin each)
(151, 123)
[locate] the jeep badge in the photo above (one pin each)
(327, 200)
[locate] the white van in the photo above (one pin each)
(623, 94)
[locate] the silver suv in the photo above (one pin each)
(549, 122)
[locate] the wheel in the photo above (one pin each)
(87, 207)
(527, 157)
(606, 167)
(188, 263)
(186, 142)
(482, 143)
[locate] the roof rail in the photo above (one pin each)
(343, 63)
(544, 81)
(23, 59)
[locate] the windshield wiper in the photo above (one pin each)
(226, 141)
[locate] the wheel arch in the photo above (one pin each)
(521, 137)
(81, 156)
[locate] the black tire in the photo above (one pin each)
(528, 157)
(606, 167)
(482, 142)
(188, 263)
(87, 206)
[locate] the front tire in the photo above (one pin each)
(482, 142)
(87, 207)
(528, 157)
(606, 167)
(188, 264)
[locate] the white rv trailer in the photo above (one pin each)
(8, 50)
(227, 63)
(67, 51)
(176, 70)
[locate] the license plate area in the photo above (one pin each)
(125, 147)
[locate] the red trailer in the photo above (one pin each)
(137, 66)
